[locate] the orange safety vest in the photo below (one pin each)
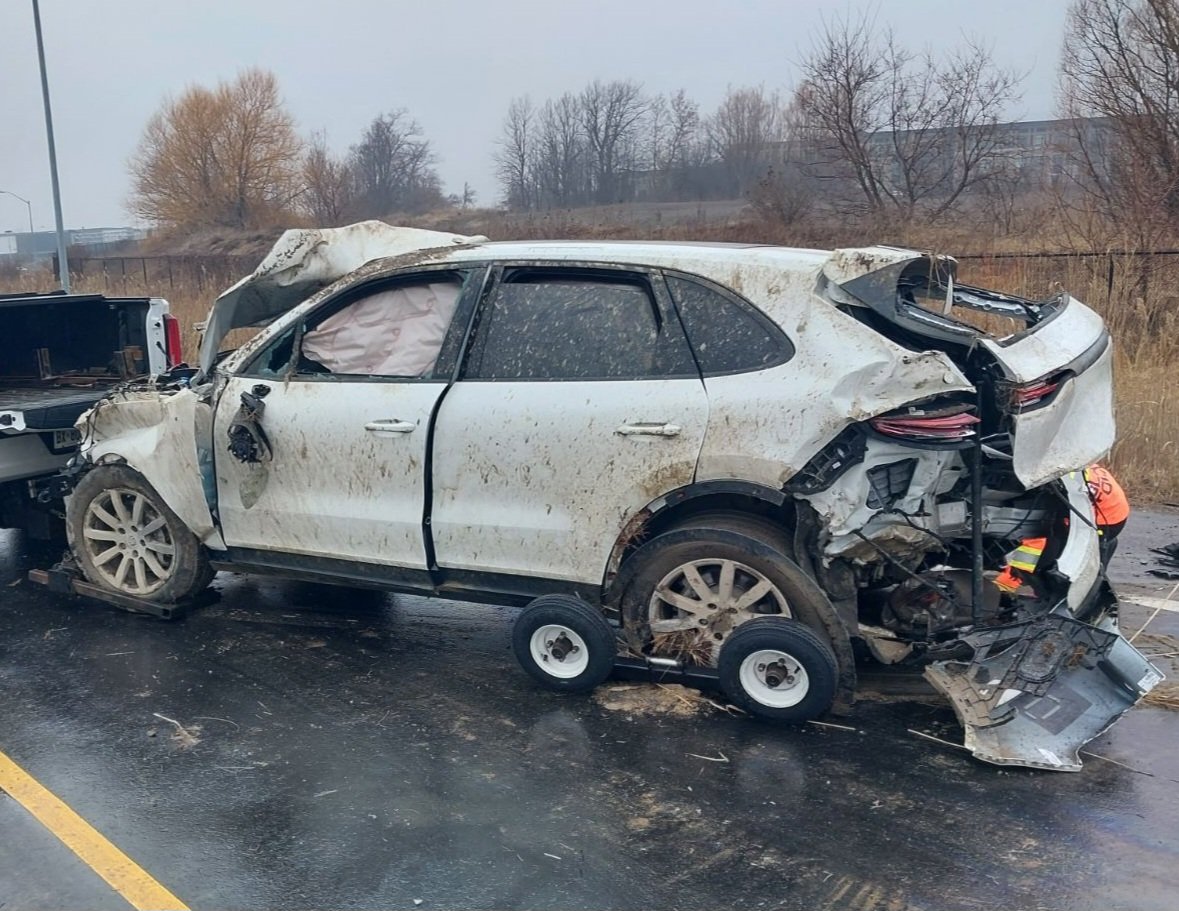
(1024, 558)
(1109, 500)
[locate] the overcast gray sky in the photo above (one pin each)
(455, 64)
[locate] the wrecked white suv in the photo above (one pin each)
(839, 448)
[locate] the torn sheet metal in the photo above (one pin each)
(1036, 692)
(850, 263)
(156, 434)
(305, 261)
(1080, 560)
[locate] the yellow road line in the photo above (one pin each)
(124, 875)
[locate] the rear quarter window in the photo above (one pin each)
(727, 334)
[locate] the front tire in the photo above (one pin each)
(564, 644)
(127, 540)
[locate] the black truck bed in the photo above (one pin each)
(47, 407)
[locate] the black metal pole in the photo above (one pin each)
(63, 266)
(976, 535)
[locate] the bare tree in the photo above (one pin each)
(687, 147)
(515, 160)
(745, 132)
(784, 192)
(227, 156)
(562, 162)
(907, 133)
(393, 167)
(1122, 67)
(327, 183)
(610, 115)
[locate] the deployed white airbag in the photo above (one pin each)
(397, 332)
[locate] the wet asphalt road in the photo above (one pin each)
(358, 750)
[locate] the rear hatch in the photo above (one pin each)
(1043, 369)
(1058, 391)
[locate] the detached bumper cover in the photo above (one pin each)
(1036, 692)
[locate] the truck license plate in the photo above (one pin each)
(66, 439)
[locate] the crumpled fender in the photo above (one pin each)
(156, 434)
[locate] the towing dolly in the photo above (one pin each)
(64, 578)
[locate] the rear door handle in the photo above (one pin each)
(393, 426)
(649, 430)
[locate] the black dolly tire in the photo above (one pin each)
(778, 669)
(564, 644)
(125, 538)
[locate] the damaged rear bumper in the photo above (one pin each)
(1034, 693)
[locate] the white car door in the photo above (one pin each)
(346, 422)
(578, 405)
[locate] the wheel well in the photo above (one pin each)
(645, 526)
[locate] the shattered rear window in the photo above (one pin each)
(924, 296)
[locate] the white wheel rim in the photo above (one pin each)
(711, 598)
(559, 651)
(128, 542)
(774, 678)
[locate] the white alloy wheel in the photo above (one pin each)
(128, 541)
(712, 597)
(559, 651)
(774, 678)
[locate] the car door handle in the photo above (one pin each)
(393, 426)
(649, 430)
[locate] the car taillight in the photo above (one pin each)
(1033, 393)
(172, 340)
(928, 427)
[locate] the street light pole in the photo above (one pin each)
(63, 266)
(28, 205)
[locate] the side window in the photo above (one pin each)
(566, 324)
(393, 330)
(727, 334)
(274, 360)
(386, 329)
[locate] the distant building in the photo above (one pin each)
(1030, 156)
(43, 244)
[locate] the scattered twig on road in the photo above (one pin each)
(326, 793)
(1155, 614)
(719, 758)
(838, 727)
(956, 746)
(553, 856)
(183, 736)
(215, 718)
(1115, 762)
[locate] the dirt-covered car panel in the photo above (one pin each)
(163, 435)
